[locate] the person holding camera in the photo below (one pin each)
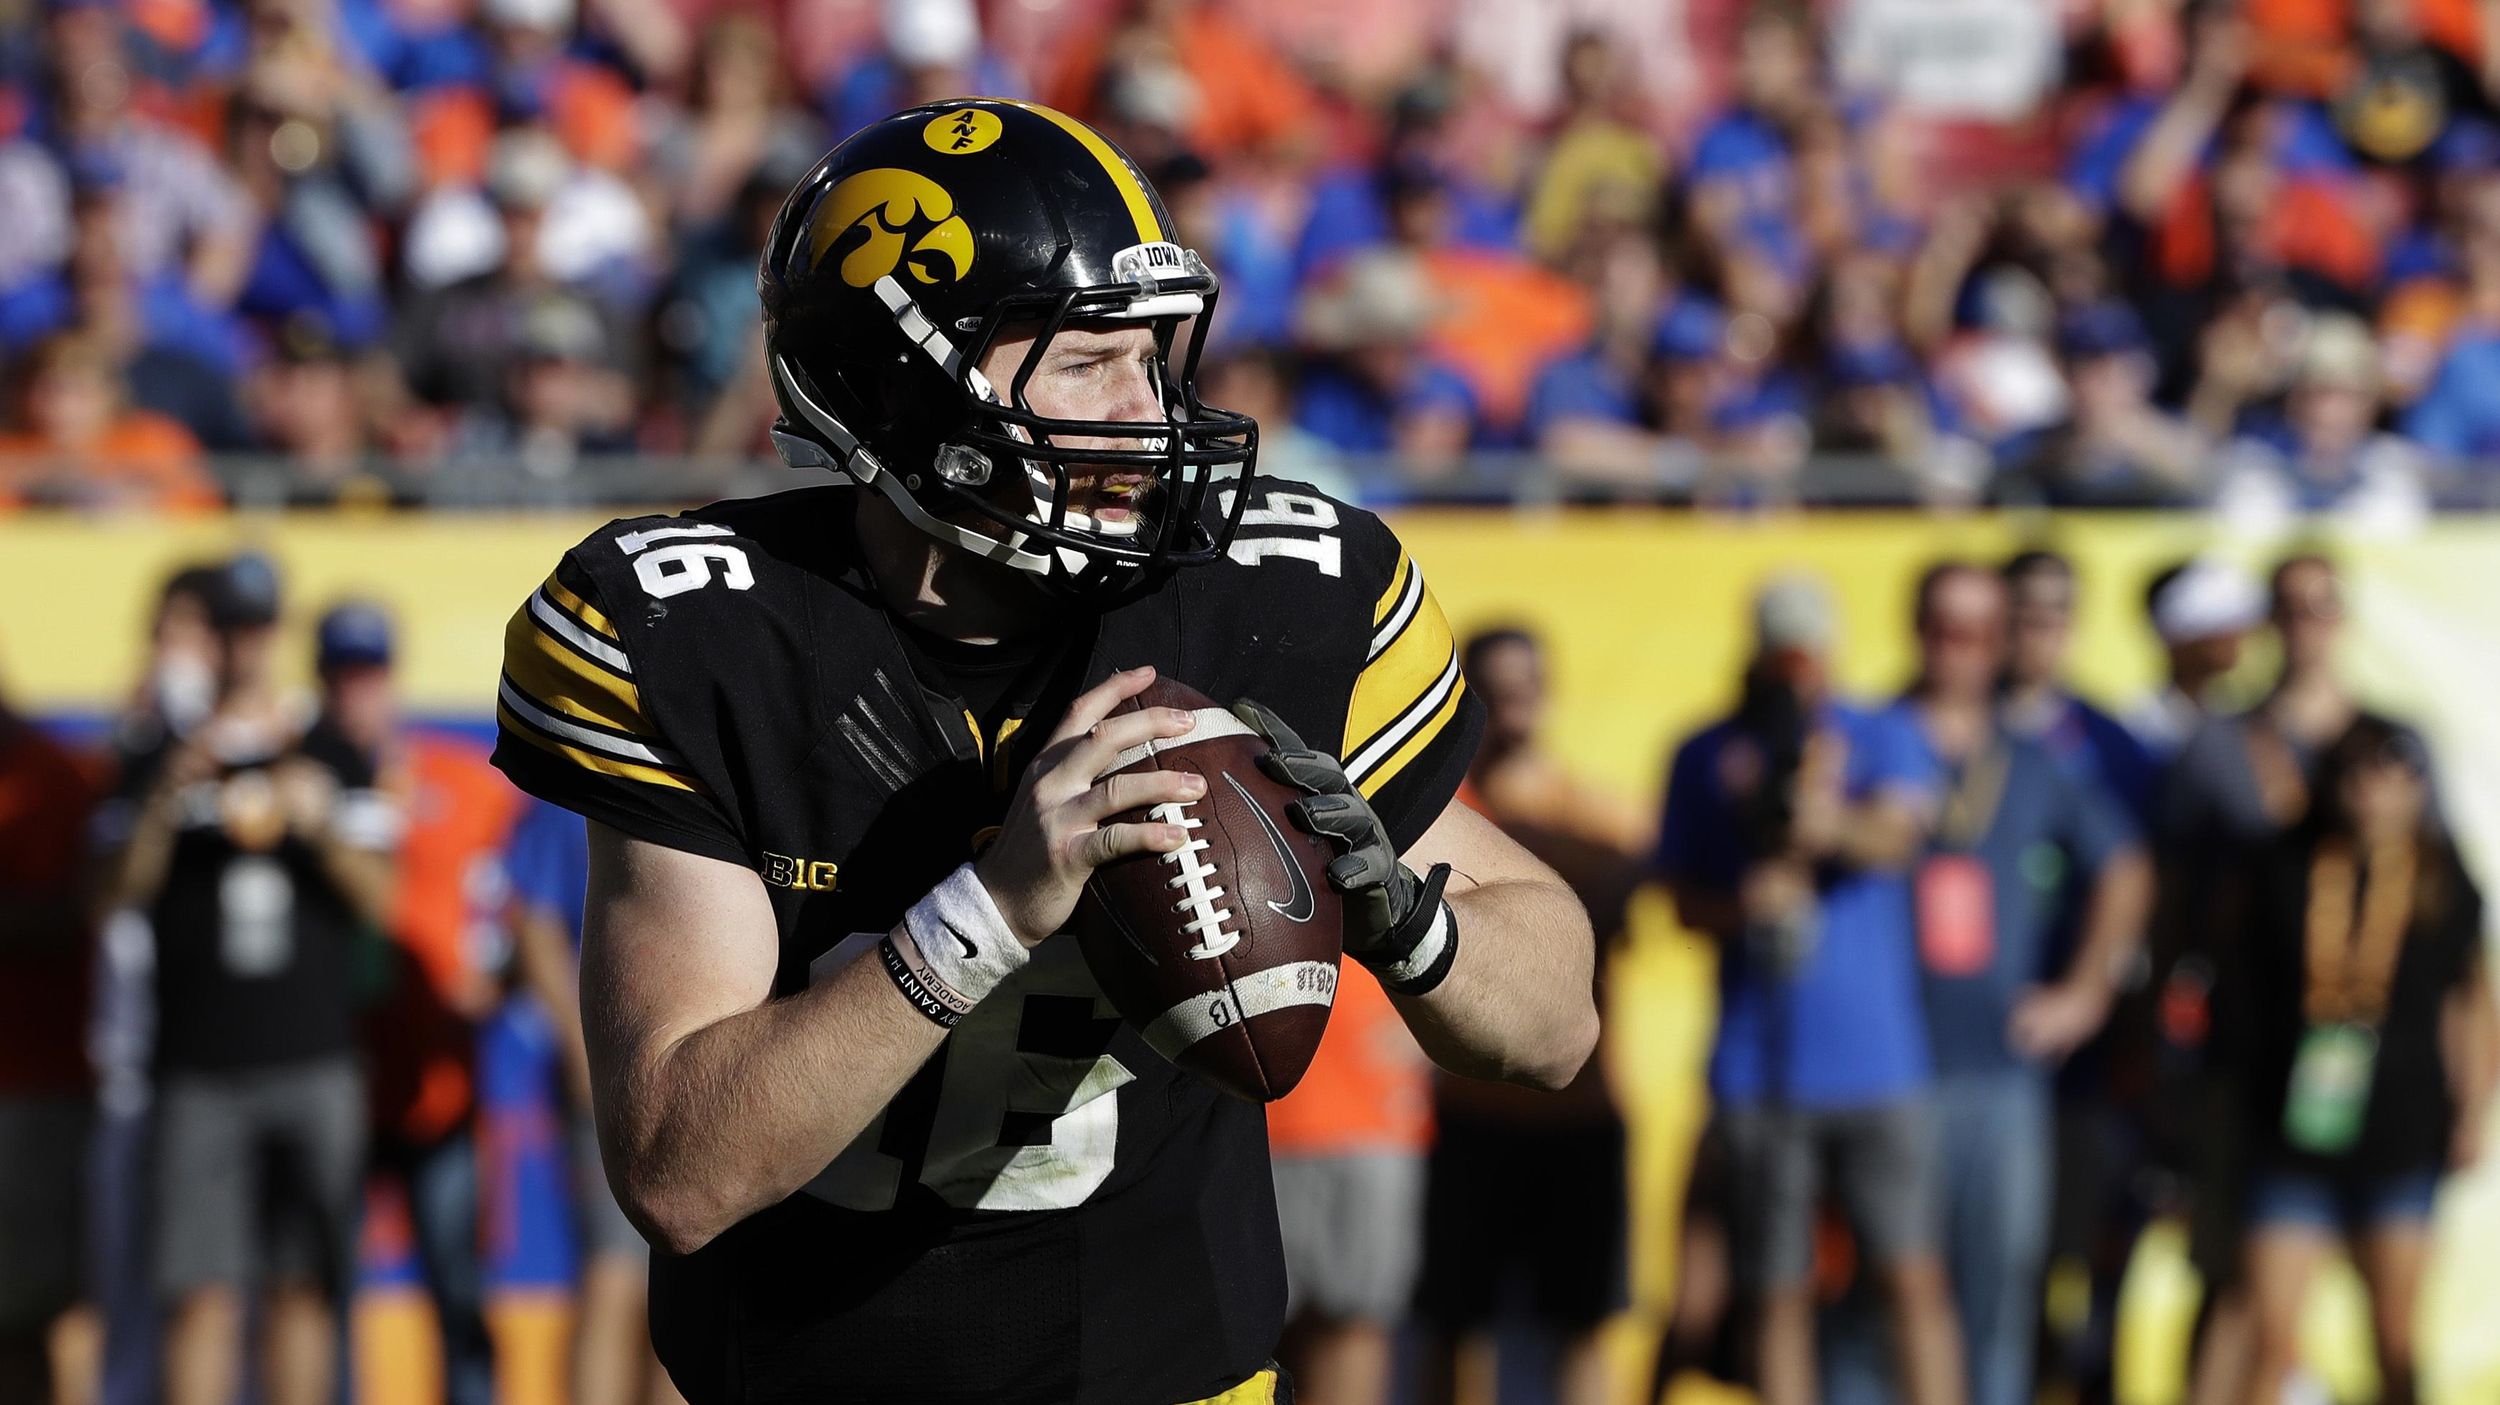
(260, 853)
(1789, 834)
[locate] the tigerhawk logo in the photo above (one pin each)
(888, 220)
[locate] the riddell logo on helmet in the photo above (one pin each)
(889, 220)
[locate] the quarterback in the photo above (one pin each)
(839, 748)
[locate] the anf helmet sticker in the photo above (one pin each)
(887, 220)
(962, 131)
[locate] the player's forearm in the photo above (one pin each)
(1519, 1005)
(704, 1129)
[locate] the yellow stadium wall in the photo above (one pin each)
(1645, 617)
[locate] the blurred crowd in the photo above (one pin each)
(2239, 253)
(2004, 978)
(250, 946)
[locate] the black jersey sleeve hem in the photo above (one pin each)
(618, 804)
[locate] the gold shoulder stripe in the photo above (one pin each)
(579, 608)
(1132, 190)
(1397, 587)
(514, 726)
(563, 681)
(1389, 767)
(1399, 675)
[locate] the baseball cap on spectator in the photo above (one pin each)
(1867, 364)
(2206, 599)
(563, 328)
(353, 634)
(1793, 611)
(1378, 296)
(1693, 329)
(244, 593)
(525, 169)
(545, 15)
(2101, 329)
(931, 34)
(2340, 352)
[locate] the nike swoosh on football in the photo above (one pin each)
(1305, 904)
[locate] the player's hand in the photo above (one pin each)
(1054, 836)
(1387, 906)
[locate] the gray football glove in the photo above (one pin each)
(1396, 923)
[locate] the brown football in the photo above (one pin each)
(1224, 955)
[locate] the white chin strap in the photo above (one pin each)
(852, 458)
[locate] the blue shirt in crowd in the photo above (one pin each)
(1354, 417)
(1848, 1020)
(2458, 416)
(548, 863)
(2048, 822)
(2099, 751)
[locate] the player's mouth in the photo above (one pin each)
(1118, 497)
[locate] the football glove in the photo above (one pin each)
(1396, 923)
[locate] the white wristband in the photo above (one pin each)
(963, 941)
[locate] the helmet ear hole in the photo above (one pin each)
(963, 465)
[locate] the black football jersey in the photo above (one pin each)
(1048, 1210)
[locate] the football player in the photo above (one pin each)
(839, 751)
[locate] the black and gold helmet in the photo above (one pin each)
(895, 265)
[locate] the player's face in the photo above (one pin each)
(1090, 371)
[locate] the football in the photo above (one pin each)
(1224, 953)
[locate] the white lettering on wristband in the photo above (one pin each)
(1426, 954)
(964, 945)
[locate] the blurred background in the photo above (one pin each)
(2059, 439)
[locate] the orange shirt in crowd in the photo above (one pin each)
(1369, 1087)
(44, 803)
(424, 1035)
(142, 457)
(2304, 47)
(1248, 97)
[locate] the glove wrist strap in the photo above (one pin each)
(1418, 955)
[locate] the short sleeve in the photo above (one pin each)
(2095, 825)
(1411, 725)
(1887, 754)
(571, 728)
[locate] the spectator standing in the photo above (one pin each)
(1562, 1248)
(47, 1099)
(1349, 1151)
(2372, 1048)
(2202, 611)
(1789, 834)
(261, 856)
(423, 1035)
(547, 869)
(1990, 897)
(2240, 783)
(2038, 702)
